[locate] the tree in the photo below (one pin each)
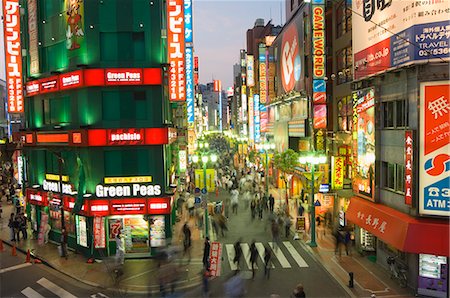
(286, 162)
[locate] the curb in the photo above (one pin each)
(152, 289)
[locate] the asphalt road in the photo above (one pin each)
(19, 279)
(292, 263)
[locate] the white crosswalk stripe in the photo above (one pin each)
(278, 253)
(30, 293)
(57, 290)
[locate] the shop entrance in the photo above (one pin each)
(134, 228)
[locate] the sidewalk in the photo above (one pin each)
(369, 278)
(140, 275)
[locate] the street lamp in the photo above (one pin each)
(266, 147)
(312, 161)
(205, 157)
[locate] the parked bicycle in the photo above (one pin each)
(398, 271)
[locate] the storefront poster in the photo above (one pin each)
(300, 224)
(81, 230)
(115, 225)
(337, 172)
(215, 257)
(74, 24)
(210, 180)
(99, 232)
(364, 143)
(157, 231)
(44, 222)
(434, 149)
(136, 234)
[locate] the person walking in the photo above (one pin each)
(16, 225)
(237, 253)
(271, 203)
(120, 249)
(267, 261)
(206, 250)
(12, 233)
(298, 292)
(253, 209)
(187, 241)
(253, 257)
(64, 242)
(47, 229)
(287, 225)
(23, 225)
(275, 233)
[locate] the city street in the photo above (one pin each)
(38, 280)
(292, 264)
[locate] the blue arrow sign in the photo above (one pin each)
(317, 203)
(204, 190)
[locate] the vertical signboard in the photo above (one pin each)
(182, 155)
(188, 36)
(217, 86)
(190, 85)
(244, 102)
(251, 115)
(99, 232)
(175, 39)
(195, 70)
(263, 118)
(337, 172)
(262, 74)
(74, 26)
(408, 166)
(13, 55)
(257, 123)
(434, 146)
(33, 37)
(250, 71)
(215, 257)
(364, 143)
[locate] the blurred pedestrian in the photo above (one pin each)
(120, 249)
(64, 243)
(187, 241)
(12, 233)
(275, 233)
(271, 203)
(253, 257)
(16, 225)
(206, 251)
(23, 225)
(267, 260)
(298, 291)
(237, 253)
(206, 274)
(287, 225)
(347, 242)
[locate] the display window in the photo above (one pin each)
(55, 219)
(135, 230)
(368, 241)
(157, 231)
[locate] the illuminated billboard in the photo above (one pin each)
(262, 74)
(434, 149)
(190, 84)
(33, 37)
(175, 40)
(410, 31)
(257, 119)
(13, 55)
(188, 36)
(364, 143)
(250, 71)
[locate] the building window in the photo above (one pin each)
(393, 177)
(343, 17)
(344, 65)
(394, 114)
(345, 110)
(122, 46)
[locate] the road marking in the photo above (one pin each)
(246, 253)
(54, 288)
(12, 268)
(280, 256)
(230, 254)
(30, 293)
(99, 295)
(297, 257)
(260, 248)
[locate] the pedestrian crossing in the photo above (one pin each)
(47, 287)
(281, 254)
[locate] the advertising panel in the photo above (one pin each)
(182, 158)
(251, 116)
(13, 55)
(71, 80)
(337, 172)
(175, 39)
(434, 148)
(99, 232)
(123, 76)
(217, 85)
(195, 70)
(125, 136)
(257, 118)
(408, 166)
(136, 206)
(364, 143)
(244, 102)
(262, 74)
(215, 257)
(33, 37)
(190, 85)
(210, 180)
(410, 31)
(288, 50)
(81, 228)
(263, 118)
(188, 36)
(318, 40)
(320, 116)
(250, 71)
(136, 234)
(74, 25)
(157, 231)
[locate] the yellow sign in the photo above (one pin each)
(337, 172)
(54, 177)
(136, 179)
(200, 180)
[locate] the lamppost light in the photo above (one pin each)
(205, 159)
(195, 158)
(213, 157)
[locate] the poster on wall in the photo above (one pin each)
(434, 149)
(99, 232)
(115, 225)
(74, 24)
(364, 143)
(136, 234)
(157, 231)
(337, 172)
(378, 48)
(81, 228)
(42, 227)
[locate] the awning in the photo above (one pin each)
(406, 233)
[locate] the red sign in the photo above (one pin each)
(195, 70)
(99, 232)
(125, 136)
(99, 207)
(36, 197)
(128, 206)
(49, 85)
(217, 85)
(319, 97)
(123, 76)
(159, 206)
(374, 59)
(215, 256)
(71, 80)
(13, 55)
(290, 52)
(318, 39)
(69, 203)
(95, 77)
(320, 116)
(175, 40)
(408, 166)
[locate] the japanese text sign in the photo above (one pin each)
(408, 166)
(99, 232)
(175, 36)
(337, 172)
(318, 41)
(190, 104)
(33, 37)
(434, 146)
(13, 55)
(215, 256)
(188, 36)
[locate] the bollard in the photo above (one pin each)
(350, 282)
